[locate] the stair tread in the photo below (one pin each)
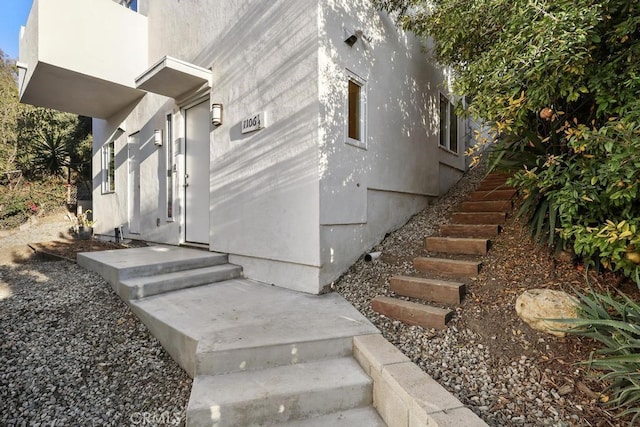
(412, 313)
(450, 261)
(487, 206)
(281, 394)
(478, 217)
(469, 230)
(458, 239)
(428, 289)
(447, 267)
(135, 281)
(366, 416)
(457, 245)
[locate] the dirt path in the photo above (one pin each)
(13, 243)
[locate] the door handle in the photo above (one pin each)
(186, 177)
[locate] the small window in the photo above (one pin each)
(109, 167)
(168, 143)
(448, 125)
(356, 111)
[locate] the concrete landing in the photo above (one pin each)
(218, 328)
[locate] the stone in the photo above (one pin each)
(534, 306)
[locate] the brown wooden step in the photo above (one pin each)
(493, 186)
(503, 175)
(469, 230)
(447, 267)
(478, 196)
(478, 217)
(487, 206)
(428, 289)
(457, 245)
(412, 313)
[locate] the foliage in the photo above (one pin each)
(9, 109)
(614, 322)
(29, 199)
(558, 82)
(52, 141)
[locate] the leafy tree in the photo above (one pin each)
(9, 110)
(558, 82)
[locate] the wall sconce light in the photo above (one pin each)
(157, 137)
(350, 38)
(216, 114)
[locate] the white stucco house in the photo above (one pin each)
(292, 135)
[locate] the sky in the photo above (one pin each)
(13, 14)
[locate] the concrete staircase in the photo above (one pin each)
(452, 257)
(258, 354)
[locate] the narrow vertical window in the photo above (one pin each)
(109, 167)
(354, 111)
(444, 121)
(448, 125)
(170, 162)
(453, 130)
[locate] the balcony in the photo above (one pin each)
(82, 56)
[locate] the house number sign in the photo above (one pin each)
(254, 122)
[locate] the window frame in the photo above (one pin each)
(448, 140)
(109, 167)
(353, 78)
(171, 168)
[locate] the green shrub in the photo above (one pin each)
(29, 199)
(589, 195)
(614, 322)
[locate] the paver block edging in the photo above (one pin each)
(397, 379)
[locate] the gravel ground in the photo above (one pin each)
(72, 353)
(495, 364)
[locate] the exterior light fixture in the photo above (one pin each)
(157, 137)
(216, 114)
(350, 37)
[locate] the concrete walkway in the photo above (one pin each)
(263, 355)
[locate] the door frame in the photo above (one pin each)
(181, 162)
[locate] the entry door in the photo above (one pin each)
(133, 149)
(196, 182)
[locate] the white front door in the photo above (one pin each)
(196, 181)
(133, 151)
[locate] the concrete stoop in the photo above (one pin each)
(262, 355)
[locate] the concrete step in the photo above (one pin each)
(487, 206)
(478, 217)
(141, 287)
(478, 196)
(469, 230)
(441, 291)
(277, 395)
(359, 417)
(412, 313)
(121, 264)
(447, 267)
(241, 325)
(457, 245)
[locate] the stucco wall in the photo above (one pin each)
(366, 192)
(264, 185)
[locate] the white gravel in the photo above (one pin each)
(72, 354)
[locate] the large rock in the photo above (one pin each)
(536, 305)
